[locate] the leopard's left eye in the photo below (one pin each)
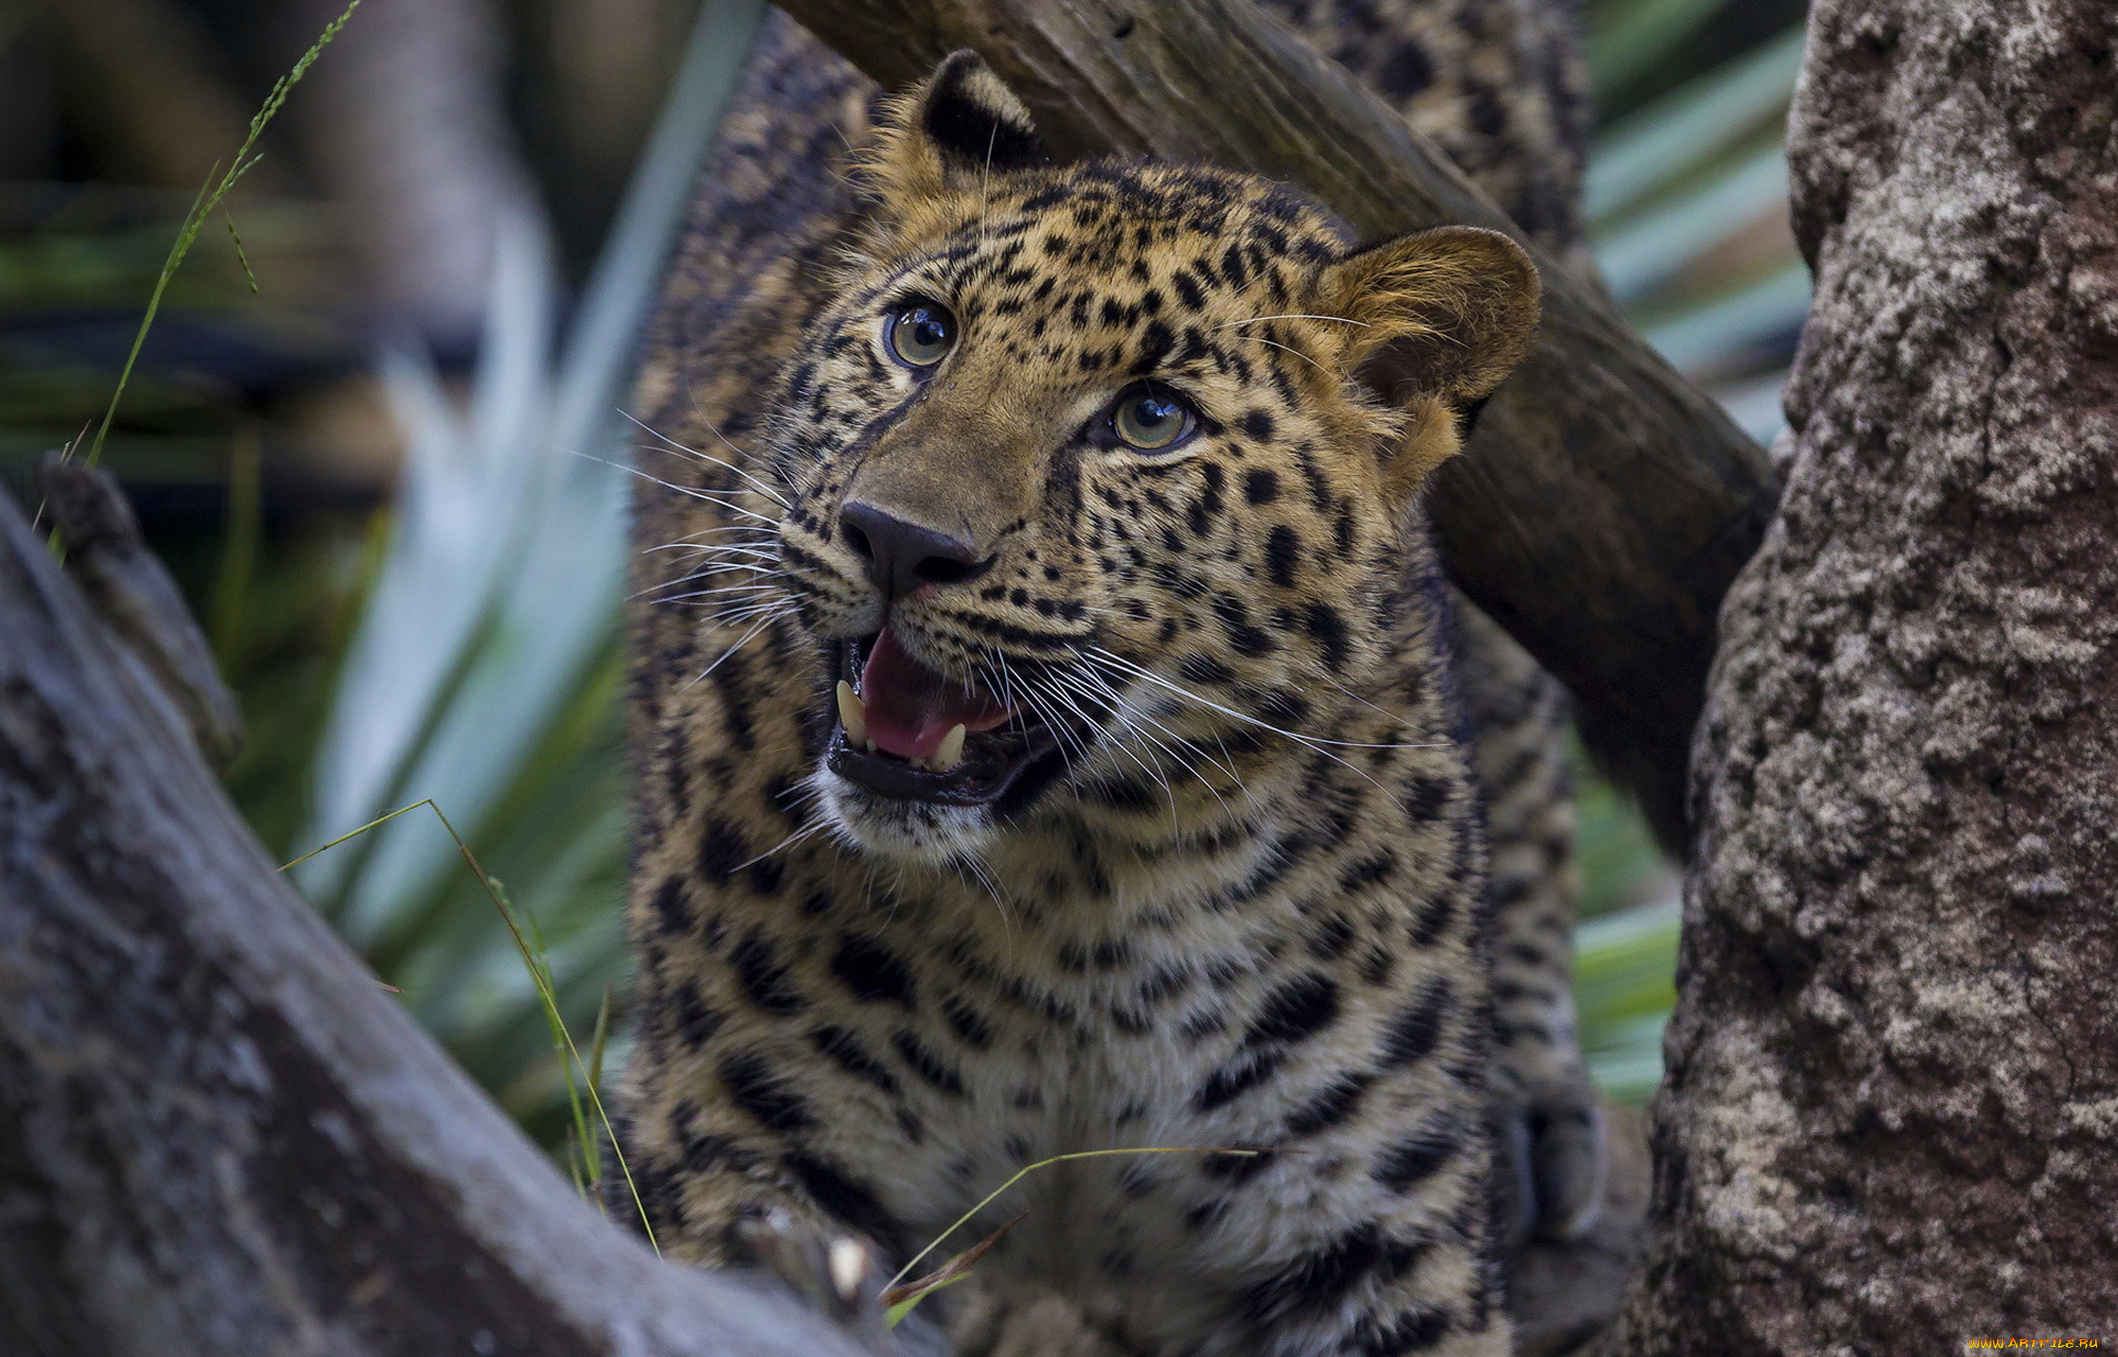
(920, 333)
(1150, 417)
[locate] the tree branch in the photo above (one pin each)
(133, 593)
(217, 1134)
(1605, 503)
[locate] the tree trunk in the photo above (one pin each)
(218, 1135)
(1892, 1105)
(1604, 502)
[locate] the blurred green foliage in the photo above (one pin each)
(1687, 202)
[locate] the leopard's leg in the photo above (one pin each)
(1422, 1281)
(717, 1190)
(713, 1191)
(1548, 1130)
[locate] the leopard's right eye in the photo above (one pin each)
(1150, 417)
(919, 334)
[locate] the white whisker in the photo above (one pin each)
(769, 491)
(1296, 352)
(1343, 320)
(690, 492)
(747, 637)
(806, 831)
(744, 590)
(1128, 666)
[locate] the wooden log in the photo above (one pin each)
(1604, 503)
(218, 1134)
(134, 594)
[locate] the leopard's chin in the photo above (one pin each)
(922, 833)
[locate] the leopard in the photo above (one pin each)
(1010, 784)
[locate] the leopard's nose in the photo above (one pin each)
(901, 555)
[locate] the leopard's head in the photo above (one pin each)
(1095, 468)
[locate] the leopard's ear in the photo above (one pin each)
(1446, 313)
(1440, 318)
(951, 135)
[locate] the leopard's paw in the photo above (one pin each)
(841, 1274)
(1549, 1160)
(1035, 1324)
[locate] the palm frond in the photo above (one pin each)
(484, 670)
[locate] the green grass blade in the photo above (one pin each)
(209, 197)
(239, 546)
(1719, 330)
(187, 233)
(591, 1162)
(375, 823)
(240, 257)
(1659, 244)
(534, 959)
(1624, 987)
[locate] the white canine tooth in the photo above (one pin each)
(949, 752)
(853, 715)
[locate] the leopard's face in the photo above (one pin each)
(1079, 483)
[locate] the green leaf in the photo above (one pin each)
(1653, 247)
(1673, 136)
(1632, 37)
(1719, 330)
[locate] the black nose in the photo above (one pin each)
(902, 555)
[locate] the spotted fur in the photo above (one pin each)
(1247, 913)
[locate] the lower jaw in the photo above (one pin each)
(997, 784)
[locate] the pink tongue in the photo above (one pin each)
(910, 707)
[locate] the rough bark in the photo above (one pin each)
(217, 1134)
(1892, 1105)
(1604, 503)
(137, 599)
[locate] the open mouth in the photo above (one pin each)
(908, 732)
